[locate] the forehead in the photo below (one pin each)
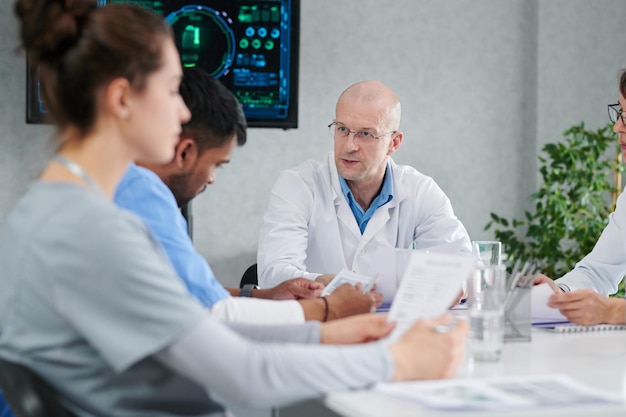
(220, 153)
(359, 114)
(170, 61)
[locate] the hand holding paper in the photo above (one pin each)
(347, 277)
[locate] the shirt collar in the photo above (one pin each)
(386, 192)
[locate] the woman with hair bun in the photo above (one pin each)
(89, 301)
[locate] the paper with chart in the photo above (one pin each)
(500, 393)
(431, 283)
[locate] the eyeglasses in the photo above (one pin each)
(362, 136)
(615, 111)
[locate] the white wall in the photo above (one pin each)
(484, 84)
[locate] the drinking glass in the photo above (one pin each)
(489, 252)
(486, 292)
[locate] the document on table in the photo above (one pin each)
(540, 312)
(431, 283)
(505, 393)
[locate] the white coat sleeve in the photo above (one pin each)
(283, 238)
(258, 311)
(604, 267)
(438, 228)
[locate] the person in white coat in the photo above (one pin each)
(326, 216)
(582, 294)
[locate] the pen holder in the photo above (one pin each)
(517, 316)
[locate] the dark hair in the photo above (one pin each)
(78, 48)
(215, 112)
(622, 83)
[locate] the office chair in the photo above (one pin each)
(27, 394)
(249, 277)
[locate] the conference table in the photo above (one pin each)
(596, 359)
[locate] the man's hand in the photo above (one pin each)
(325, 279)
(423, 353)
(587, 307)
(348, 300)
(357, 329)
(293, 289)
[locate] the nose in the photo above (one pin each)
(185, 114)
(210, 179)
(351, 143)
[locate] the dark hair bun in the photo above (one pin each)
(50, 27)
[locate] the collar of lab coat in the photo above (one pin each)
(399, 193)
(380, 216)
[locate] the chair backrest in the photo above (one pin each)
(249, 277)
(27, 394)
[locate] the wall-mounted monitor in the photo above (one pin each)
(252, 46)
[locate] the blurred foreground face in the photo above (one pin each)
(157, 111)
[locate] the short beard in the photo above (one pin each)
(178, 184)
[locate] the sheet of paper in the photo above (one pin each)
(431, 283)
(504, 393)
(389, 264)
(347, 277)
(540, 311)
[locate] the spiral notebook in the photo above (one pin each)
(576, 328)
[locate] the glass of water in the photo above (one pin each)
(488, 251)
(486, 292)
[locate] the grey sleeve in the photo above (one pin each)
(127, 287)
(229, 365)
(309, 332)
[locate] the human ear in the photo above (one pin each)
(394, 144)
(185, 154)
(117, 98)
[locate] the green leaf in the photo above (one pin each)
(570, 206)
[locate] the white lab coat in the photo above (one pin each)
(309, 229)
(604, 267)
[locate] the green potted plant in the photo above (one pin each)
(581, 178)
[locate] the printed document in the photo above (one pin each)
(504, 393)
(431, 283)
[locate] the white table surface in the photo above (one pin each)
(597, 359)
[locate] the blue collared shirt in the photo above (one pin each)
(142, 192)
(386, 195)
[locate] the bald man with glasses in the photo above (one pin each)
(324, 216)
